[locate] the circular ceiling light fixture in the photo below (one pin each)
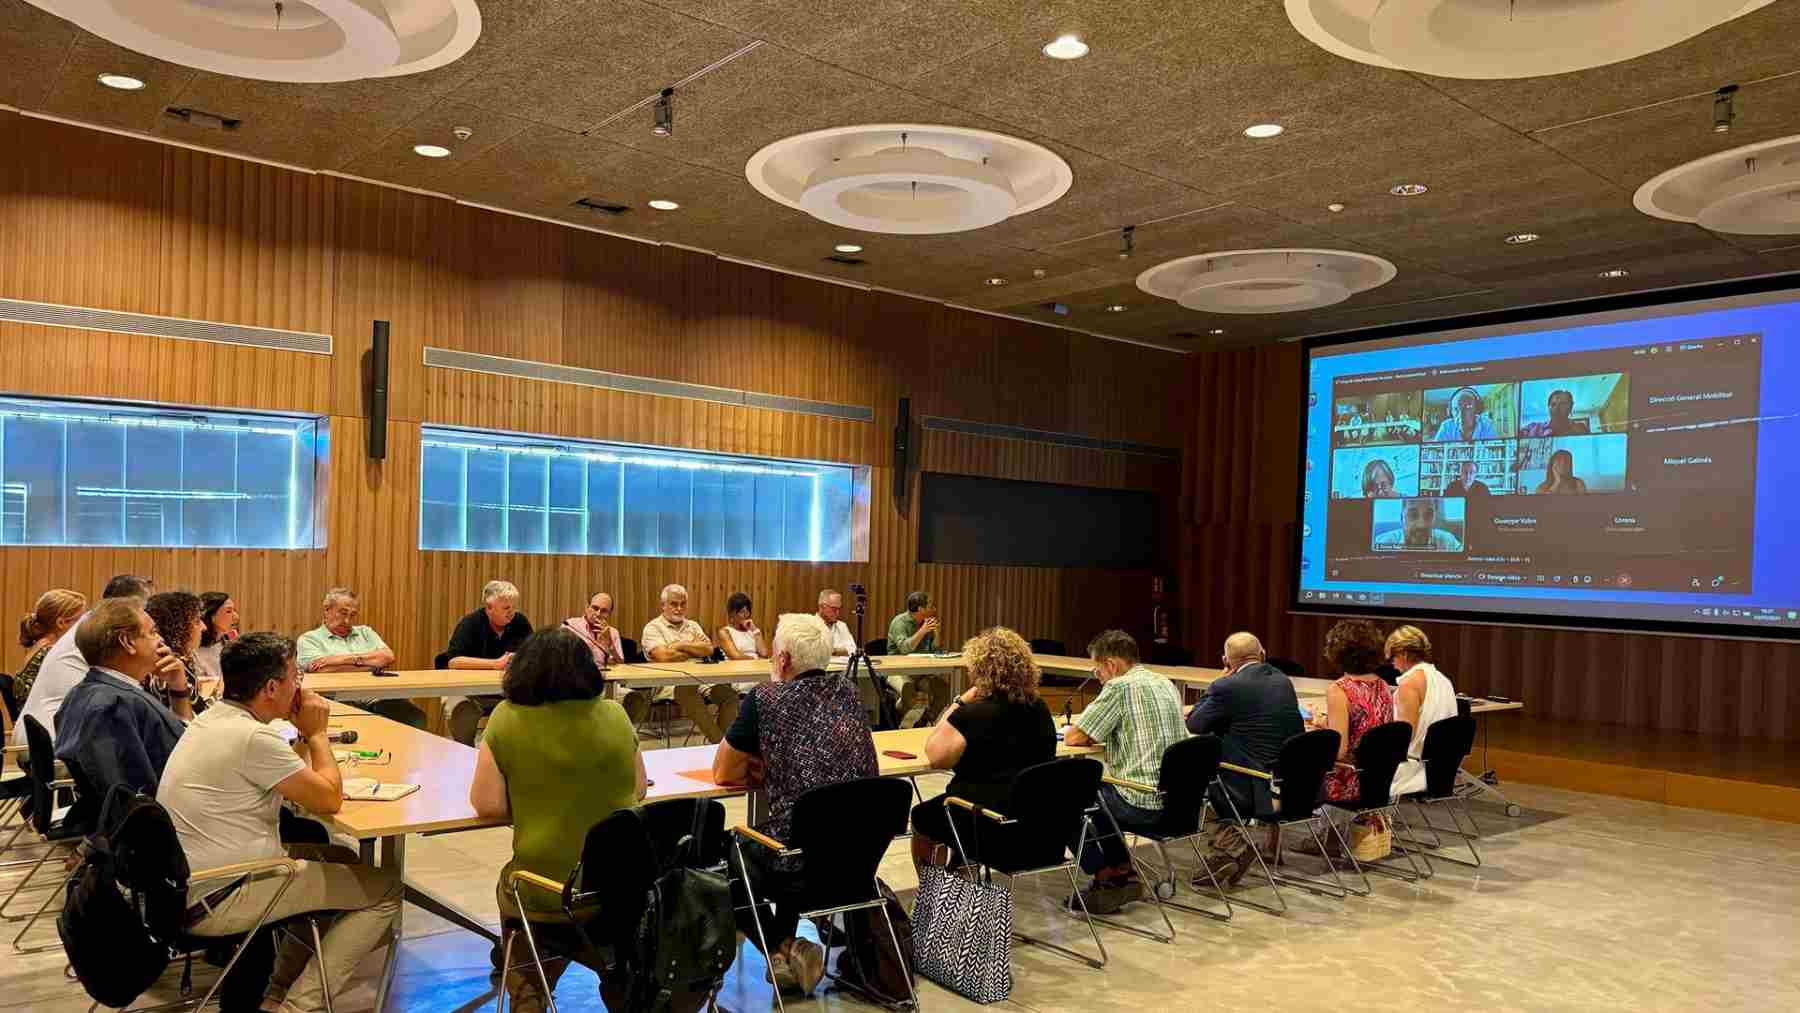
(663, 205)
(1521, 238)
(1266, 281)
(1066, 47)
(303, 41)
(431, 150)
(848, 248)
(905, 179)
(1407, 189)
(1749, 191)
(1262, 130)
(122, 82)
(1499, 39)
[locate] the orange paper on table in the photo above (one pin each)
(703, 775)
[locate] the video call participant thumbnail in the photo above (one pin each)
(1375, 472)
(1423, 524)
(1464, 414)
(1575, 406)
(1575, 465)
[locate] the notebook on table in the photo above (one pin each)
(368, 789)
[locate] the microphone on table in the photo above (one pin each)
(1069, 704)
(346, 737)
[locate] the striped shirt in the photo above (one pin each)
(1136, 716)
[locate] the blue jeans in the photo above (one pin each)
(1106, 849)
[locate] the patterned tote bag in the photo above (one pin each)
(962, 935)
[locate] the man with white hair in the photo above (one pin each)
(340, 645)
(673, 637)
(802, 731)
(485, 638)
(831, 611)
(1253, 710)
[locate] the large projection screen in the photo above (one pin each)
(1636, 468)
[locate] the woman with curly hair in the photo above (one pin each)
(177, 618)
(985, 737)
(42, 627)
(1356, 702)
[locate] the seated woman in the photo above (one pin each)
(220, 616)
(804, 730)
(997, 728)
(740, 638)
(557, 758)
(39, 630)
(1423, 696)
(1560, 478)
(1356, 702)
(177, 618)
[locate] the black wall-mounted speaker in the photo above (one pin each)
(903, 456)
(378, 392)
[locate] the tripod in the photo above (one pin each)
(885, 718)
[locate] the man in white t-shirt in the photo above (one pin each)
(223, 787)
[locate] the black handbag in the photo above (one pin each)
(871, 962)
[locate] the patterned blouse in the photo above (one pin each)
(1370, 704)
(28, 674)
(810, 732)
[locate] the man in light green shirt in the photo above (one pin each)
(339, 645)
(1136, 717)
(915, 632)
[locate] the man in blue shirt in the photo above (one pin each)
(1466, 421)
(112, 731)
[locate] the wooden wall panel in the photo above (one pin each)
(95, 219)
(1237, 554)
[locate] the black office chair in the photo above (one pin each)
(622, 858)
(1169, 654)
(1446, 743)
(1295, 787)
(51, 824)
(876, 648)
(1378, 754)
(1289, 667)
(633, 656)
(1040, 645)
(441, 662)
(1045, 810)
(1190, 769)
(156, 837)
(840, 831)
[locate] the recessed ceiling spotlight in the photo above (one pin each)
(1334, 207)
(1262, 130)
(1617, 272)
(664, 205)
(1117, 307)
(1038, 272)
(1407, 189)
(120, 81)
(1216, 331)
(431, 150)
(847, 248)
(996, 280)
(1521, 238)
(1066, 47)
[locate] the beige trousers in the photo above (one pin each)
(367, 902)
(692, 704)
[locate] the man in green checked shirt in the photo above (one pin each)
(1136, 716)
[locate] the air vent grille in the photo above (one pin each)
(84, 318)
(969, 428)
(602, 206)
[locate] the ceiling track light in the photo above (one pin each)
(1117, 307)
(1617, 272)
(662, 123)
(1127, 242)
(1216, 331)
(1521, 238)
(996, 281)
(1723, 111)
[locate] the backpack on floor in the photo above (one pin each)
(870, 963)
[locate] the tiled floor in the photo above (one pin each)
(1588, 902)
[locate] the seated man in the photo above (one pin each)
(1136, 717)
(1253, 711)
(485, 638)
(224, 788)
(915, 632)
(673, 637)
(801, 731)
(596, 630)
(831, 611)
(112, 730)
(64, 666)
(339, 645)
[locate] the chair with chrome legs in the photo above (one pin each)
(839, 833)
(51, 825)
(624, 858)
(1189, 770)
(1046, 809)
(1378, 754)
(1446, 743)
(1295, 787)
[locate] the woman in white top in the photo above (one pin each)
(740, 638)
(1422, 697)
(220, 616)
